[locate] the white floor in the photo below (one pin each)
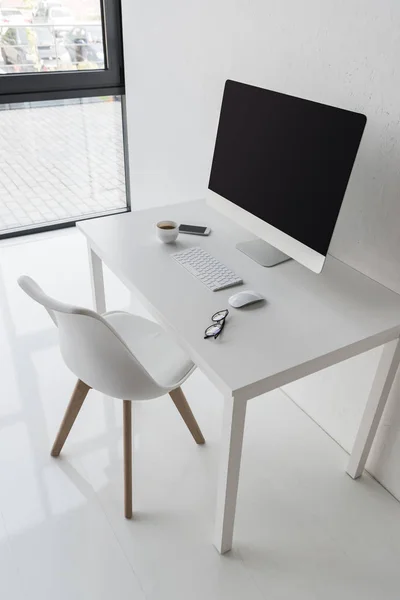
(304, 530)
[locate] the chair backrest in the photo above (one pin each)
(93, 350)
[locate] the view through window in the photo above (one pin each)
(51, 36)
(60, 160)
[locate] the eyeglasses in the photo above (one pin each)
(219, 322)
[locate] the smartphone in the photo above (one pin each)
(194, 229)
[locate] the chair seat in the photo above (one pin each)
(158, 353)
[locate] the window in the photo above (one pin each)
(10, 37)
(61, 74)
(55, 13)
(56, 45)
(22, 36)
(43, 36)
(10, 13)
(60, 161)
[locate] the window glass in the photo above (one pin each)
(74, 28)
(22, 36)
(60, 161)
(9, 13)
(59, 12)
(10, 36)
(44, 36)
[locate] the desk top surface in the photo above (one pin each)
(306, 317)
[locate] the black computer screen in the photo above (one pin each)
(285, 160)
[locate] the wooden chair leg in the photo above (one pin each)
(127, 427)
(178, 398)
(75, 404)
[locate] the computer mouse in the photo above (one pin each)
(245, 298)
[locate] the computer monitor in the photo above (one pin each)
(280, 169)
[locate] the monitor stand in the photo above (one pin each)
(262, 252)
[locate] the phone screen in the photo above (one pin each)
(191, 229)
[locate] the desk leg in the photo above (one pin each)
(379, 393)
(96, 273)
(231, 454)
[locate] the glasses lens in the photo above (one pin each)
(212, 330)
(220, 315)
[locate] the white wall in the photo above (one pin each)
(342, 52)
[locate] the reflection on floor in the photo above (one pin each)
(304, 529)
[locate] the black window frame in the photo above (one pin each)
(28, 87)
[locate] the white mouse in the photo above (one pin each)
(244, 298)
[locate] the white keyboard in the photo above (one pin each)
(207, 269)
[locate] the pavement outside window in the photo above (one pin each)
(60, 161)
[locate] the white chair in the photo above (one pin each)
(120, 355)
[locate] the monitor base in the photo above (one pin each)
(262, 252)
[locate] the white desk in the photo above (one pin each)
(310, 322)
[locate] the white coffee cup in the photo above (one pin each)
(167, 231)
